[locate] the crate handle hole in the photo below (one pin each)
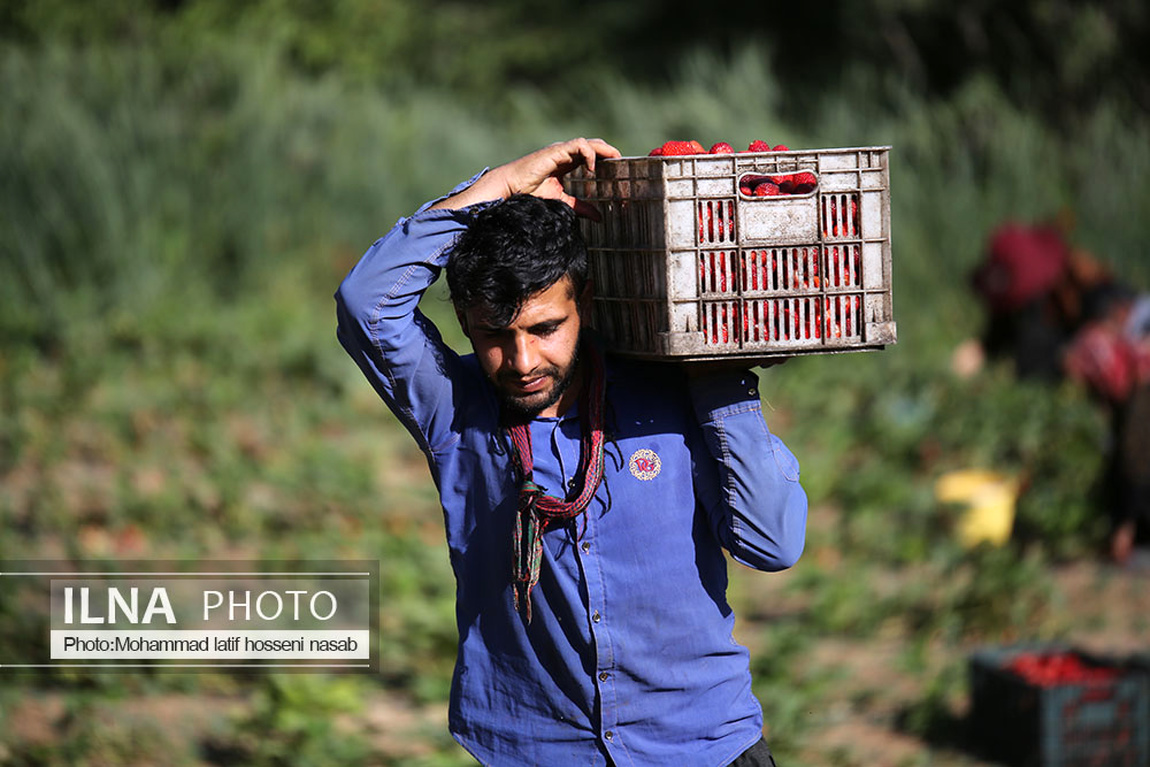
(796, 184)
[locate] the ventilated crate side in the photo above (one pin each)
(1139, 663)
(737, 275)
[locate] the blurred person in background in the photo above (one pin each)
(587, 499)
(1055, 311)
(1110, 354)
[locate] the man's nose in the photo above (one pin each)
(524, 357)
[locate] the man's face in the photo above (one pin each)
(533, 362)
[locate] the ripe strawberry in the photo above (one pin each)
(1056, 669)
(786, 183)
(656, 152)
(758, 145)
(780, 148)
(766, 189)
(671, 148)
(804, 182)
(722, 147)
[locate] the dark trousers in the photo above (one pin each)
(757, 755)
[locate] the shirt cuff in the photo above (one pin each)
(426, 222)
(714, 396)
(458, 188)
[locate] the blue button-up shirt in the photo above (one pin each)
(629, 658)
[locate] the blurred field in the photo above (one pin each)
(171, 387)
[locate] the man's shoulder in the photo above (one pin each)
(646, 388)
(634, 371)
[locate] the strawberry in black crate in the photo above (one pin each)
(1054, 706)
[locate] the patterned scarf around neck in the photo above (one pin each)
(537, 510)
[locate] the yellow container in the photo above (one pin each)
(989, 500)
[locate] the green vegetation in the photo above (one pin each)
(182, 193)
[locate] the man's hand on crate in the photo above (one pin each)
(539, 173)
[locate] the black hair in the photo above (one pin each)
(513, 250)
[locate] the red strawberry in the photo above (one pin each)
(780, 148)
(656, 152)
(804, 182)
(766, 189)
(758, 145)
(671, 148)
(722, 147)
(786, 183)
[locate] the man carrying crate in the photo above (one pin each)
(587, 499)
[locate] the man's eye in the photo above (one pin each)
(546, 330)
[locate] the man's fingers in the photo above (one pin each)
(593, 148)
(567, 155)
(589, 150)
(538, 173)
(541, 172)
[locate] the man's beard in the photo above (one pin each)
(527, 408)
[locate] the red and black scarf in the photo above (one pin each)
(537, 510)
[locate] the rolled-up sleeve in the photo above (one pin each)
(399, 350)
(760, 512)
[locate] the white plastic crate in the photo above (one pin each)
(688, 267)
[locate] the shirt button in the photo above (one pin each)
(604, 676)
(595, 617)
(609, 735)
(752, 392)
(586, 547)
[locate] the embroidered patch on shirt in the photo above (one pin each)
(645, 464)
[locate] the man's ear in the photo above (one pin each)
(462, 317)
(585, 298)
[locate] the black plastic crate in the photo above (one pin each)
(1140, 664)
(1059, 722)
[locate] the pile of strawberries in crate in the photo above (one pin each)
(803, 182)
(671, 148)
(750, 185)
(1051, 669)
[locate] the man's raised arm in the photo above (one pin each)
(398, 349)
